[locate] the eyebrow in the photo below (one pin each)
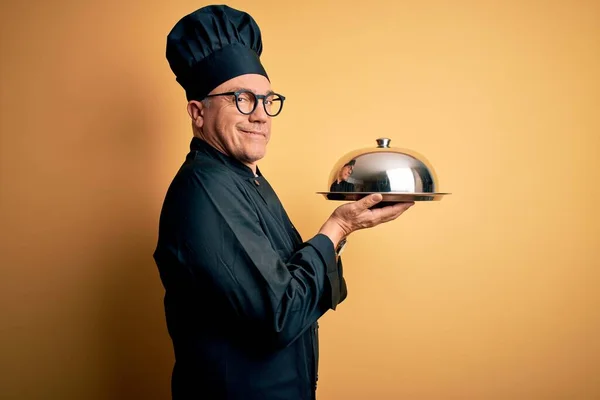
(238, 88)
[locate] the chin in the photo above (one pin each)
(255, 157)
(255, 153)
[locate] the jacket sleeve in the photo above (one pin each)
(219, 240)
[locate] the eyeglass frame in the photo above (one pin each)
(258, 97)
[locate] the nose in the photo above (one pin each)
(259, 114)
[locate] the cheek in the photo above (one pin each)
(227, 128)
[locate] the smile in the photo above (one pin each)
(253, 133)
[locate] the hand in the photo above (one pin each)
(358, 215)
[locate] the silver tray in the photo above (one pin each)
(396, 197)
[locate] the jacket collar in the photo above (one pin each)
(203, 147)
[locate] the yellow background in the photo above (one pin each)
(491, 293)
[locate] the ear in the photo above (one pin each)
(195, 110)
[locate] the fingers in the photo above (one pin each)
(359, 215)
(403, 206)
(392, 212)
(368, 201)
(400, 208)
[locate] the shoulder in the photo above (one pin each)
(207, 182)
(205, 173)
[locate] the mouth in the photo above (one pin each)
(253, 133)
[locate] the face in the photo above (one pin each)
(346, 172)
(243, 137)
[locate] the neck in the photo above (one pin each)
(252, 166)
(218, 147)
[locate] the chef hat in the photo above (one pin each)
(212, 45)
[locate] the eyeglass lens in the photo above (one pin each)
(247, 101)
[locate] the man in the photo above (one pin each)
(243, 290)
(341, 184)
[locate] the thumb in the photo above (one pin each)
(369, 201)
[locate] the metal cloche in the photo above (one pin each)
(398, 174)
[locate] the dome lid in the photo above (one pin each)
(398, 174)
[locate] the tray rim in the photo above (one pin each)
(387, 196)
(388, 193)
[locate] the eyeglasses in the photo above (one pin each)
(246, 101)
